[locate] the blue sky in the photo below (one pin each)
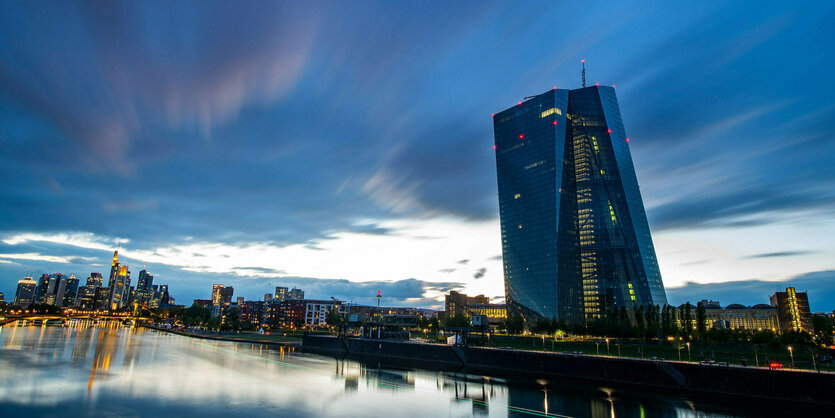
(347, 146)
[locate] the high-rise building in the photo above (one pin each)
(281, 293)
(70, 292)
(575, 238)
(50, 289)
(120, 288)
(295, 294)
(793, 310)
(2, 297)
(87, 294)
(268, 297)
(25, 292)
(455, 303)
(240, 300)
(101, 298)
(222, 295)
(144, 286)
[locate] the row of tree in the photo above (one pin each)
(661, 322)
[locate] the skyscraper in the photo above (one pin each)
(70, 292)
(144, 286)
(119, 288)
(575, 238)
(25, 292)
(87, 294)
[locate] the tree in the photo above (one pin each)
(333, 317)
(514, 324)
(459, 320)
(640, 321)
(823, 330)
(701, 320)
(232, 321)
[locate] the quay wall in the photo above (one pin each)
(725, 381)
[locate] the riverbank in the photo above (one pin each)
(730, 382)
(274, 340)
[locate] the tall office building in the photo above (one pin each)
(119, 288)
(87, 294)
(281, 293)
(575, 238)
(70, 292)
(25, 294)
(144, 286)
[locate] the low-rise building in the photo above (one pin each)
(316, 311)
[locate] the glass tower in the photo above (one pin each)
(575, 238)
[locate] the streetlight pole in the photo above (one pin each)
(597, 344)
(688, 352)
(607, 348)
(791, 353)
(679, 352)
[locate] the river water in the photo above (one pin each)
(120, 371)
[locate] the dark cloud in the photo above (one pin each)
(692, 263)
(446, 270)
(479, 273)
(820, 286)
(780, 254)
(283, 124)
(496, 257)
(464, 261)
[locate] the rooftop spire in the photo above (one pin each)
(584, 72)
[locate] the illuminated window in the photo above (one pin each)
(517, 195)
(550, 112)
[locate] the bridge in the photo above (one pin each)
(91, 315)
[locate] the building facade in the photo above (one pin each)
(793, 310)
(316, 311)
(25, 294)
(575, 238)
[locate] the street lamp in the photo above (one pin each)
(607, 347)
(688, 352)
(791, 353)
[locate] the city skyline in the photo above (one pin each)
(258, 150)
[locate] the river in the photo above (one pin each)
(120, 371)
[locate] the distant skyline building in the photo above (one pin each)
(144, 286)
(575, 238)
(25, 294)
(295, 294)
(281, 293)
(70, 292)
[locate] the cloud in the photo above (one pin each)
(447, 270)
(464, 261)
(480, 273)
(780, 254)
(47, 258)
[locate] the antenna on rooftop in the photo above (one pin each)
(584, 72)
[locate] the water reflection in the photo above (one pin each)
(84, 369)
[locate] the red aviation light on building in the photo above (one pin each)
(492, 115)
(613, 86)
(520, 103)
(555, 87)
(627, 139)
(583, 61)
(495, 147)
(608, 131)
(555, 123)
(597, 84)
(521, 136)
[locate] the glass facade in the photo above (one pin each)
(575, 238)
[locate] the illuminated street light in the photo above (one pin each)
(688, 352)
(791, 353)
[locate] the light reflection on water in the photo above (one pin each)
(119, 371)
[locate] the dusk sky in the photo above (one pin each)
(345, 147)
